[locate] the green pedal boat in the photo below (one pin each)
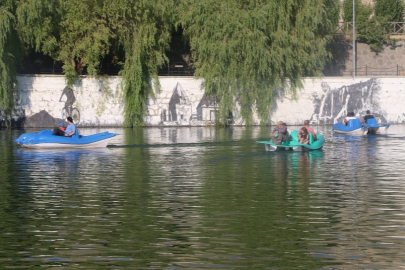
(294, 145)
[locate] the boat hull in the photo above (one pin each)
(358, 131)
(45, 140)
(354, 127)
(294, 145)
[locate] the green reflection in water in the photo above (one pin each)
(195, 198)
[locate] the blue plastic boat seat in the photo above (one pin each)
(76, 135)
(354, 123)
(371, 121)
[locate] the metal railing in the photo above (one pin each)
(397, 28)
(346, 28)
(368, 71)
(176, 69)
(112, 70)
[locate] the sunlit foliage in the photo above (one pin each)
(372, 22)
(9, 51)
(243, 49)
(143, 29)
(392, 10)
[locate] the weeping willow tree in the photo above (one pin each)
(81, 32)
(243, 49)
(75, 32)
(143, 29)
(9, 48)
(246, 49)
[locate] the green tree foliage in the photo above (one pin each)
(144, 31)
(81, 32)
(243, 49)
(75, 32)
(372, 26)
(392, 10)
(246, 49)
(9, 51)
(348, 9)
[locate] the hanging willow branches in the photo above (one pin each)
(7, 59)
(145, 37)
(243, 49)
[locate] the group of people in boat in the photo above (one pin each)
(65, 130)
(280, 133)
(350, 115)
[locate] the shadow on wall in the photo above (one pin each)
(68, 97)
(41, 119)
(340, 55)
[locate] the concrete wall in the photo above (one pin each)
(44, 100)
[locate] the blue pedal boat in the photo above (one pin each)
(374, 128)
(45, 139)
(294, 145)
(355, 127)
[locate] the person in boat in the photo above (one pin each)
(309, 129)
(71, 128)
(280, 133)
(59, 130)
(349, 116)
(367, 116)
(303, 136)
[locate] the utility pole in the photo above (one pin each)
(354, 39)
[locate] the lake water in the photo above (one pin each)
(204, 198)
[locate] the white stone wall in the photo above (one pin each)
(328, 100)
(98, 101)
(181, 101)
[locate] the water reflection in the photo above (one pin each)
(204, 198)
(59, 164)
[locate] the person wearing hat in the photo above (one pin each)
(367, 116)
(59, 130)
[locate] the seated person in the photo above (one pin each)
(349, 116)
(71, 128)
(60, 130)
(310, 130)
(280, 133)
(367, 116)
(303, 136)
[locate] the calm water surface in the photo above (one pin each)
(204, 198)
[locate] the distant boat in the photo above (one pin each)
(294, 145)
(355, 127)
(44, 139)
(373, 127)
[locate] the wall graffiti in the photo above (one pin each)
(401, 118)
(180, 109)
(334, 104)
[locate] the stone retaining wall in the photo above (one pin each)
(44, 100)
